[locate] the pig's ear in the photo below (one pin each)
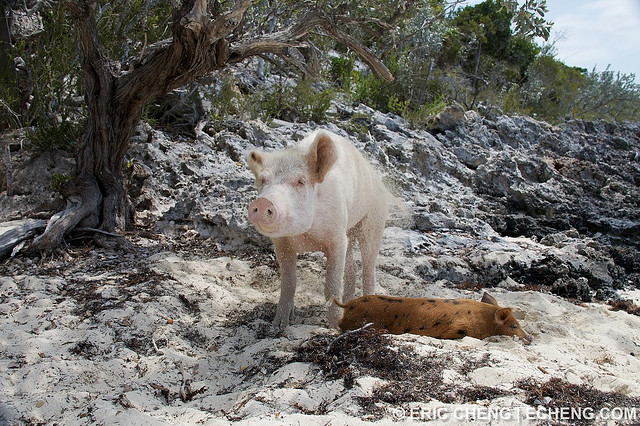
(255, 159)
(487, 298)
(502, 315)
(321, 157)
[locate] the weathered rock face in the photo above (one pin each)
(199, 185)
(571, 193)
(27, 179)
(540, 179)
(507, 201)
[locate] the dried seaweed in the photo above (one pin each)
(625, 305)
(408, 376)
(557, 394)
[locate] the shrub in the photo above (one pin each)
(228, 99)
(58, 180)
(371, 90)
(341, 71)
(58, 136)
(423, 116)
(302, 102)
(397, 106)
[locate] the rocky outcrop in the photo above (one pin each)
(28, 179)
(507, 201)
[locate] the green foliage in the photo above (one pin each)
(521, 53)
(486, 50)
(228, 99)
(341, 71)
(371, 90)
(9, 100)
(482, 53)
(302, 102)
(552, 88)
(423, 116)
(125, 28)
(63, 136)
(486, 26)
(55, 73)
(529, 17)
(375, 92)
(554, 91)
(128, 27)
(609, 95)
(397, 106)
(421, 40)
(58, 180)
(474, 55)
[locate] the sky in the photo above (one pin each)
(597, 33)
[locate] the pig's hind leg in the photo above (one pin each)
(349, 268)
(333, 286)
(370, 241)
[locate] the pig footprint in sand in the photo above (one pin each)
(319, 195)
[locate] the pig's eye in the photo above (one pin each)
(514, 326)
(300, 182)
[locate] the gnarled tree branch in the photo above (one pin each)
(292, 37)
(201, 43)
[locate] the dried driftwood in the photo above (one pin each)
(15, 232)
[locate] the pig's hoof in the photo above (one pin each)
(282, 320)
(334, 316)
(280, 323)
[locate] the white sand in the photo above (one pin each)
(64, 360)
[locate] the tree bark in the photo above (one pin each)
(5, 37)
(13, 233)
(115, 98)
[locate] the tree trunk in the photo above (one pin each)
(96, 197)
(115, 99)
(476, 78)
(5, 38)
(15, 232)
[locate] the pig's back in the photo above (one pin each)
(440, 318)
(353, 178)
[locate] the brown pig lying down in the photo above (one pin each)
(440, 318)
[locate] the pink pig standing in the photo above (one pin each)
(319, 195)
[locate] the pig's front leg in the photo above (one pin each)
(287, 258)
(336, 256)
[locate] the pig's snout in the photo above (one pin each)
(263, 212)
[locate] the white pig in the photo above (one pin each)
(319, 195)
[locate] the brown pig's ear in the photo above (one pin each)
(321, 157)
(502, 315)
(254, 159)
(487, 298)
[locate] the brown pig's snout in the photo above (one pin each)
(263, 212)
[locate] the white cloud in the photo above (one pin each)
(598, 33)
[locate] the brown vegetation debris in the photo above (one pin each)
(558, 393)
(409, 376)
(625, 305)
